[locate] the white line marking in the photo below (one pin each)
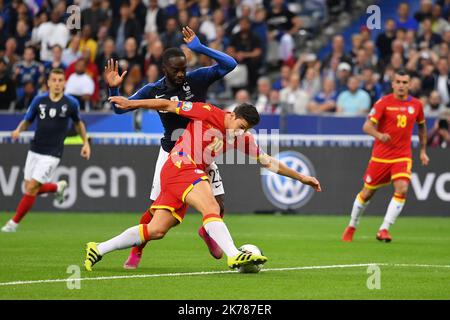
(202, 273)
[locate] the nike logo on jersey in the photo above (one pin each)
(159, 96)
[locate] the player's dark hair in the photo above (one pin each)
(402, 72)
(247, 112)
(171, 53)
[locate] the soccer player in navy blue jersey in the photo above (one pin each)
(177, 85)
(52, 112)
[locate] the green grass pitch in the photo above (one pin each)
(415, 265)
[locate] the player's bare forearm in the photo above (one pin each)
(272, 164)
(80, 128)
(151, 104)
(371, 129)
(22, 126)
(422, 132)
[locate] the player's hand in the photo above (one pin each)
(15, 134)
(112, 77)
(121, 102)
(313, 182)
(384, 137)
(190, 38)
(424, 158)
(86, 151)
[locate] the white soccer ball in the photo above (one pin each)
(250, 268)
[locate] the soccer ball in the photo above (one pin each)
(251, 268)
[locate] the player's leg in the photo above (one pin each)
(394, 209)
(159, 225)
(201, 198)
(376, 176)
(135, 255)
(219, 194)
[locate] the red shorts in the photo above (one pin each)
(176, 182)
(381, 172)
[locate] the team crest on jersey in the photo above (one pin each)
(372, 112)
(52, 113)
(411, 110)
(63, 111)
(187, 106)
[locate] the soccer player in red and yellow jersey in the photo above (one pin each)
(391, 122)
(210, 132)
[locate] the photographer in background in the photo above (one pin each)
(439, 137)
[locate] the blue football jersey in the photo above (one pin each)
(53, 119)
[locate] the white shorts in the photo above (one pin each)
(212, 171)
(40, 167)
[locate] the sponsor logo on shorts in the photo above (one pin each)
(198, 171)
(368, 179)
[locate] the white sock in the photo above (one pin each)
(127, 239)
(359, 206)
(219, 232)
(393, 211)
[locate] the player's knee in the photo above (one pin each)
(366, 194)
(32, 188)
(157, 233)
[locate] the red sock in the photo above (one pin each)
(145, 219)
(48, 188)
(24, 206)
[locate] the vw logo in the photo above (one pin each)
(286, 193)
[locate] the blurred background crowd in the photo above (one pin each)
(279, 45)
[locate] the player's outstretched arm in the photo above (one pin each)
(278, 167)
(23, 126)
(86, 148)
(225, 63)
(151, 104)
(114, 80)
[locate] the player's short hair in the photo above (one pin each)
(56, 71)
(247, 112)
(171, 53)
(402, 72)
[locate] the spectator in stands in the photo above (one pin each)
(154, 55)
(10, 52)
(357, 42)
(404, 20)
(153, 73)
(71, 53)
(362, 62)
(384, 40)
(262, 103)
(241, 96)
(353, 101)
(245, 47)
(139, 12)
(292, 98)
(51, 33)
(7, 86)
(415, 88)
(438, 23)
(343, 73)
(274, 102)
(155, 20)
(260, 28)
(372, 56)
(131, 56)
(29, 92)
(27, 70)
(442, 83)
(427, 78)
(87, 41)
(428, 38)
(283, 79)
(22, 36)
(337, 54)
(324, 101)
(439, 137)
(124, 27)
(172, 37)
(282, 25)
(311, 83)
(108, 52)
(57, 63)
(80, 85)
(370, 85)
(425, 11)
(94, 16)
(434, 107)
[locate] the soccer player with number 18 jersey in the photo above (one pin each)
(391, 122)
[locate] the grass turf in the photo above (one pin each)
(46, 244)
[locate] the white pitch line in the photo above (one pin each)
(202, 273)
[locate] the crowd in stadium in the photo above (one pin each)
(259, 34)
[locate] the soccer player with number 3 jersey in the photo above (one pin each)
(391, 122)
